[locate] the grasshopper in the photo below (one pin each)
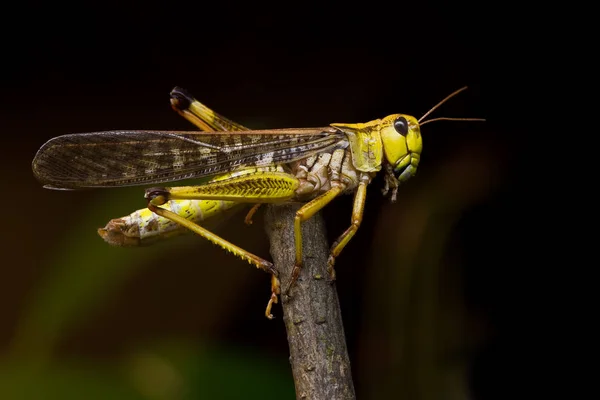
(308, 165)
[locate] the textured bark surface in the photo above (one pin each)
(318, 353)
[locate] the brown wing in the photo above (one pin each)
(128, 158)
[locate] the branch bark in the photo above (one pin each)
(312, 317)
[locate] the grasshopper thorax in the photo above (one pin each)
(402, 144)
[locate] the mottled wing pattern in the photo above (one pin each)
(128, 158)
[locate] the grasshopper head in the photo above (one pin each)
(402, 144)
(401, 138)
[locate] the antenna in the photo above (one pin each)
(451, 95)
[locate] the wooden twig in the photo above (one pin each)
(318, 353)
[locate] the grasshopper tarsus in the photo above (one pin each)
(272, 300)
(295, 274)
(331, 269)
(275, 290)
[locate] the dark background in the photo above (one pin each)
(436, 290)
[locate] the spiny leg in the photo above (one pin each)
(243, 254)
(259, 186)
(304, 213)
(357, 215)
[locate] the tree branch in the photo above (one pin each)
(318, 353)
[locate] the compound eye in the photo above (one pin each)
(401, 125)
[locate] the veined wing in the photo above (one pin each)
(128, 158)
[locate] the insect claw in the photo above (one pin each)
(331, 269)
(386, 187)
(394, 193)
(275, 290)
(272, 300)
(293, 279)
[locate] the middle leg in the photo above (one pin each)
(304, 213)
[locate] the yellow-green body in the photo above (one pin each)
(307, 165)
